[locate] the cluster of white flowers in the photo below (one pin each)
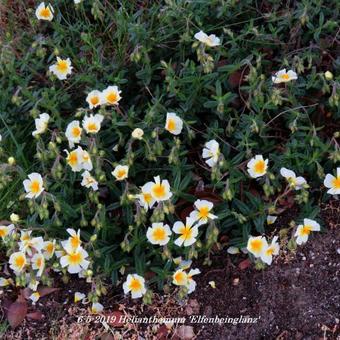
(159, 233)
(34, 256)
(260, 248)
(33, 252)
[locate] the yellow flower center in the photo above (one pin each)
(336, 183)
(306, 230)
(19, 261)
(25, 237)
(39, 262)
(112, 97)
(256, 245)
(292, 181)
(35, 187)
(186, 232)
(75, 258)
(121, 173)
(285, 76)
(94, 100)
(3, 232)
(49, 248)
(45, 12)
(135, 285)
(180, 277)
(75, 241)
(203, 212)
(72, 158)
(158, 190)
(76, 131)
(62, 66)
(159, 234)
(171, 125)
(270, 251)
(147, 197)
(92, 126)
(90, 180)
(86, 156)
(260, 166)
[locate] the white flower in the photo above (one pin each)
(271, 219)
(34, 297)
(211, 152)
(111, 95)
(17, 261)
(135, 284)
(191, 285)
(85, 160)
(34, 185)
(92, 123)
(79, 159)
(62, 68)
(145, 198)
(303, 230)
(296, 183)
(160, 190)
(28, 244)
(137, 133)
(270, 250)
(256, 245)
(44, 12)
(202, 214)
(78, 297)
(120, 172)
(174, 124)
(333, 183)
(257, 166)
(97, 308)
(73, 133)
(210, 40)
(49, 249)
(38, 263)
(41, 124)
(73, 242)
(180, 278)
(77, 1)
(94, 99)
(88, 181)
(158, 234)
(283, 77)
(75, 260)
(188, 232)
(6, 230)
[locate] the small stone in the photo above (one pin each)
(236, 281)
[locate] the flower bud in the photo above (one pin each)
(137, 133)
(14, 218)
(11, 161)
(328, 75)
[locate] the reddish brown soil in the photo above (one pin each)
(294, 299)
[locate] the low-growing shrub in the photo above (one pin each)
(161, 143)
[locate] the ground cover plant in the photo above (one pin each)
(137, 137)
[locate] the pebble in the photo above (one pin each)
(338, 251)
